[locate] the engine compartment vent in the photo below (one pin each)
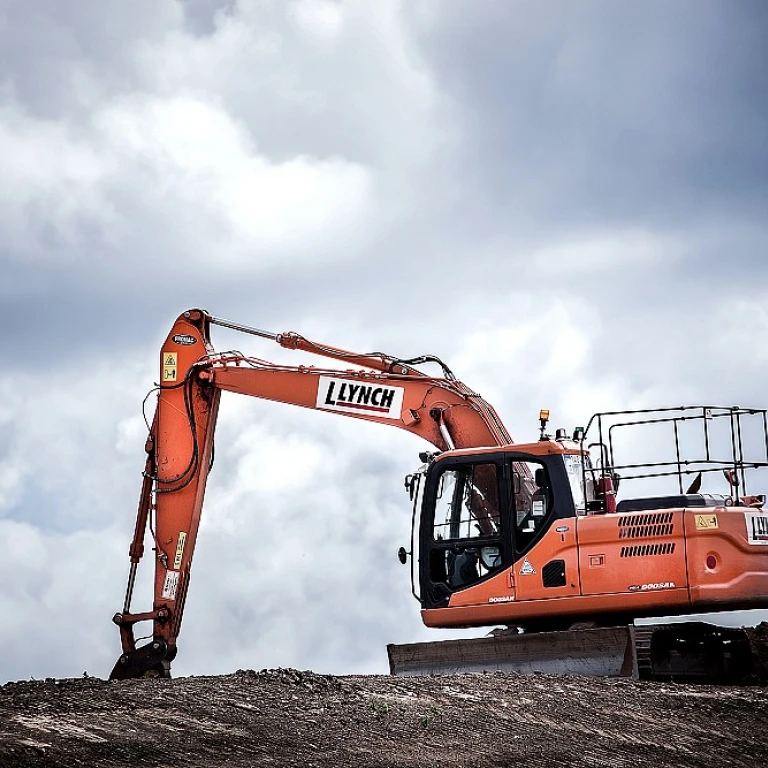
(645, 550)
(644, 526)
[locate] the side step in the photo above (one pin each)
(602, 652)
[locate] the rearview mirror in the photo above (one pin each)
(409, 485)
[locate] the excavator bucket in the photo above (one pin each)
(150, 660)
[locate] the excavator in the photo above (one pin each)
(529, 538)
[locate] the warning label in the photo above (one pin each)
(527, 569)
(170, 585)
(705, 522)
(170, 365)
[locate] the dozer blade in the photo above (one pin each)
(603, 652)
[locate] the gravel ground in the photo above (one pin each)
(290, 718)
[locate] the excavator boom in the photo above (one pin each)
(179, 448)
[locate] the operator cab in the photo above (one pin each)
(479, 511)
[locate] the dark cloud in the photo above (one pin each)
(200, 15)
(593, 113)
(58, 59)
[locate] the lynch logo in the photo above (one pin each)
(757, 528)
(371, 399)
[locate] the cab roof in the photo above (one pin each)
(539, 448)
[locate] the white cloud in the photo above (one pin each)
(55, 600)
(189, 159)
(12, 477)
(199, 156)
(320, 20)
(52, 181)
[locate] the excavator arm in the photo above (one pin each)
(179, 447)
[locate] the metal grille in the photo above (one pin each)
(644, 526)
(644, 550)
(553, 574)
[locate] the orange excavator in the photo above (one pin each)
(527, 536)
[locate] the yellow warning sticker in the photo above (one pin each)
(705, 522)
(179, 550)
(170, 365)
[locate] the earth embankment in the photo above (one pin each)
(292, 718)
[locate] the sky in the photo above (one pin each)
(564, 201)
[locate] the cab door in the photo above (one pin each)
(464, 543)
(546, 563)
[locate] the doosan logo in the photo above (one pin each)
(504, 599)
(646, 587)
(372, 399)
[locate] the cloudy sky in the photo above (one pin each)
(565, 201)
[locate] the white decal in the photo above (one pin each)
(170, 585)
(527, 569)
(364, 398)
(646, 587)
(506, 599)
(179, 550)
(757, 528)
(538, 508)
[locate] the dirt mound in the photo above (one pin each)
(290, 718)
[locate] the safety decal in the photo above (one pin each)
(705, 522)
(170, 585)
(170, 365)
(527, 569)
(757, 528)
(185, 339)
(358, 397)
(179, 549)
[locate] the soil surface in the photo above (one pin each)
(289, 718)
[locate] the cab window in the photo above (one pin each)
(532, 501)
(468, 503)
(467, 526)
(574, 470)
